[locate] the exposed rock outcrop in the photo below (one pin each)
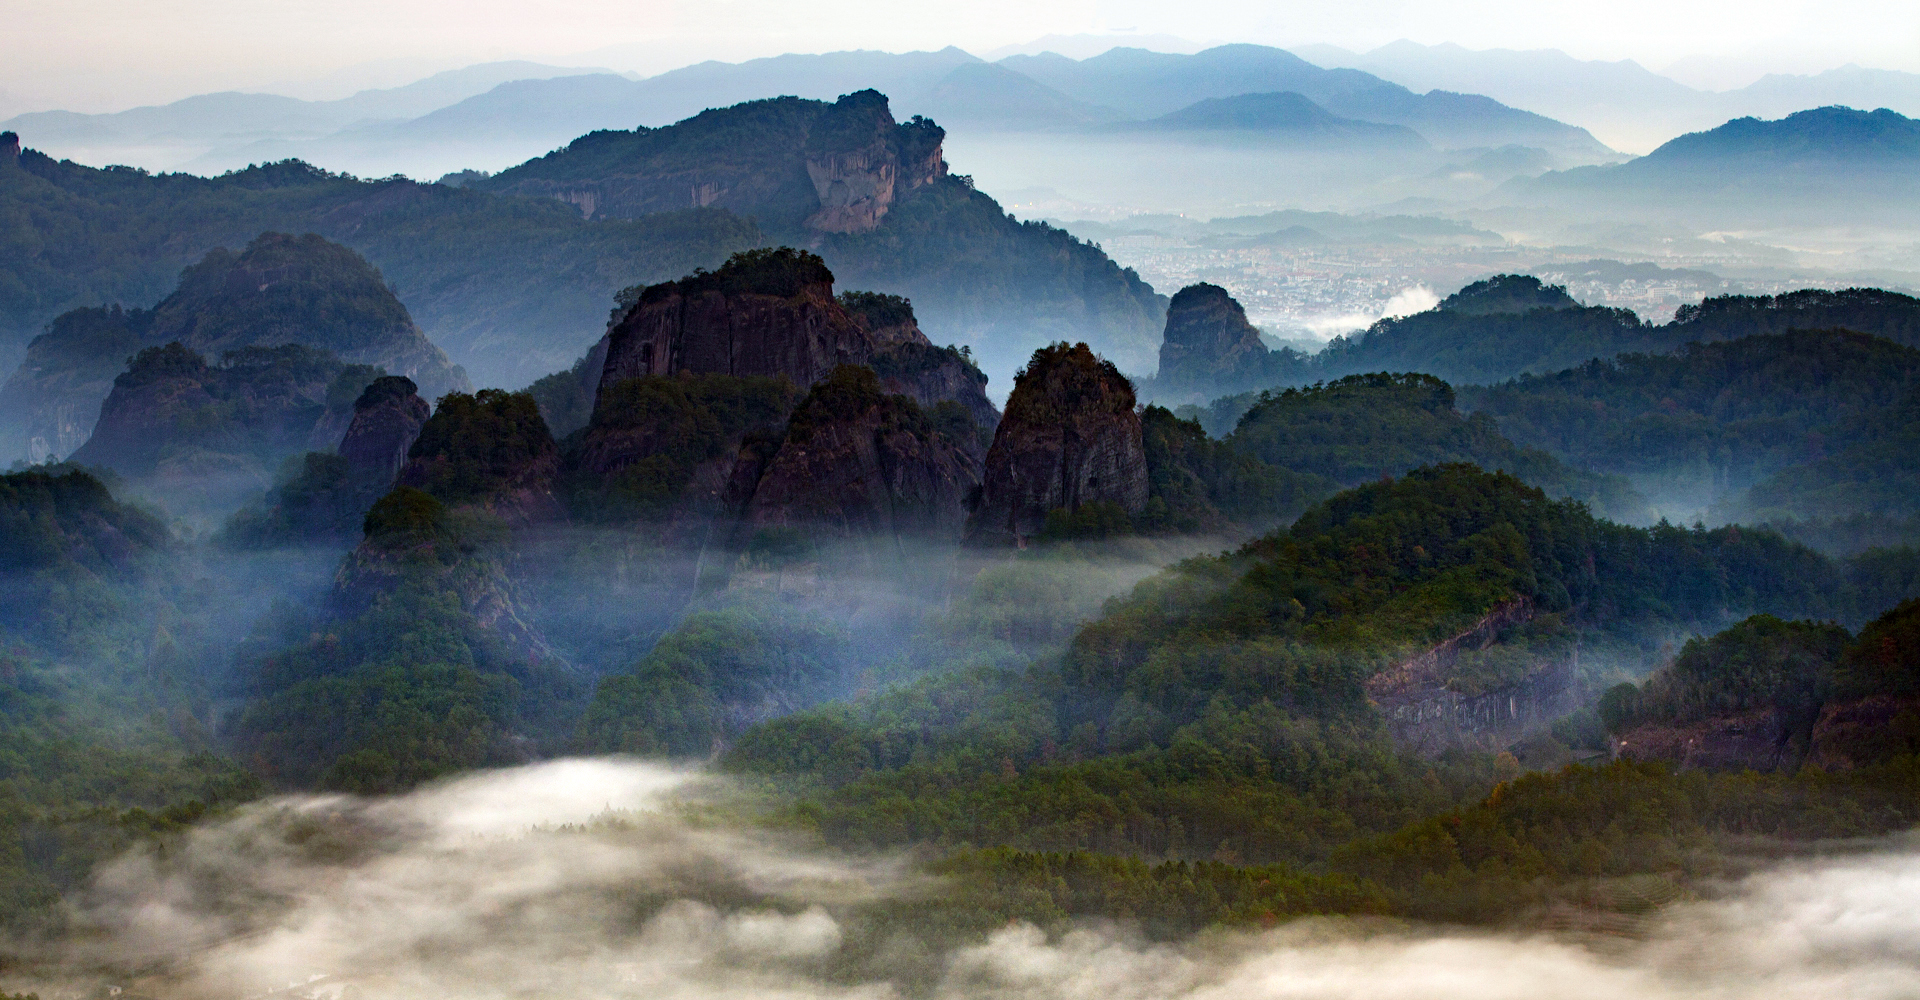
(856, 461)
(909, 364)
(1868, 730)
(49, 404)
(1757, 740)
(794, 164)
(1428, 715)
(1749, 697)
(888, 319)
(326, 499)
(203, 435)
(1209, 344)
(387, 419)
(1070, 437)
(766, 313)
(680, 451)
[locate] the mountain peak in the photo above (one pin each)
(1508, 293)
(1833, 133)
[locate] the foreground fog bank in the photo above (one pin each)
(605, 878)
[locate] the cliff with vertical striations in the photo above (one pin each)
(1069, 437)
(768, 313)
(1209, 345)
(857, 461)
(796, 165)
(387, 419)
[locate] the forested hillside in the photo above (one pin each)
(514, 287)
(1225, 710)
(1362, 427)
(975, 274)
(501, 284)
(1510, 326)
(1712, 419)
(105, 707)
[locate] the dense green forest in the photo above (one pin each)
(104, 707)
(1510, 325)
(1363, 427)
(400, 676)
(1705, 423)
(1219, 712)
(1857, 491)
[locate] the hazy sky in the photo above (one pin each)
(108, 54)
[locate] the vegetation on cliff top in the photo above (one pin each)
(783, 272)
(661, 428)
(476, 446)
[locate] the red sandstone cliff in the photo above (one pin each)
(1070, 437)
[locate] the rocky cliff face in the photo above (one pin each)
(1846, 734)
(329, 492)
(910, 365)
(767, 313)
(932, 376)
(1070, 437)
(796, 165)
(1428, 716)
(1208, 341)
(1759, 740)
(856, 461)
(387, 419)
(1867, 730)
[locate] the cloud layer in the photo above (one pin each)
(597, 878)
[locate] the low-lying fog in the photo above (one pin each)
(610, 878)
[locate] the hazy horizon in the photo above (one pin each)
(109, 56)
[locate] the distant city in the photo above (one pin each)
(1305, 297)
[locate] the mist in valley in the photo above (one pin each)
(618, 877)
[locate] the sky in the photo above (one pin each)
(102, 55)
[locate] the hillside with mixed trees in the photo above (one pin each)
(1789, 410)
(1707, 423)
(1511, 326)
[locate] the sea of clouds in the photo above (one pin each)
(589, 878)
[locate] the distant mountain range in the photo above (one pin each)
(489, 117)
(1823, 167)
(1285, 118)
(1145, 84)
(191, 127)
(1627, 105)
